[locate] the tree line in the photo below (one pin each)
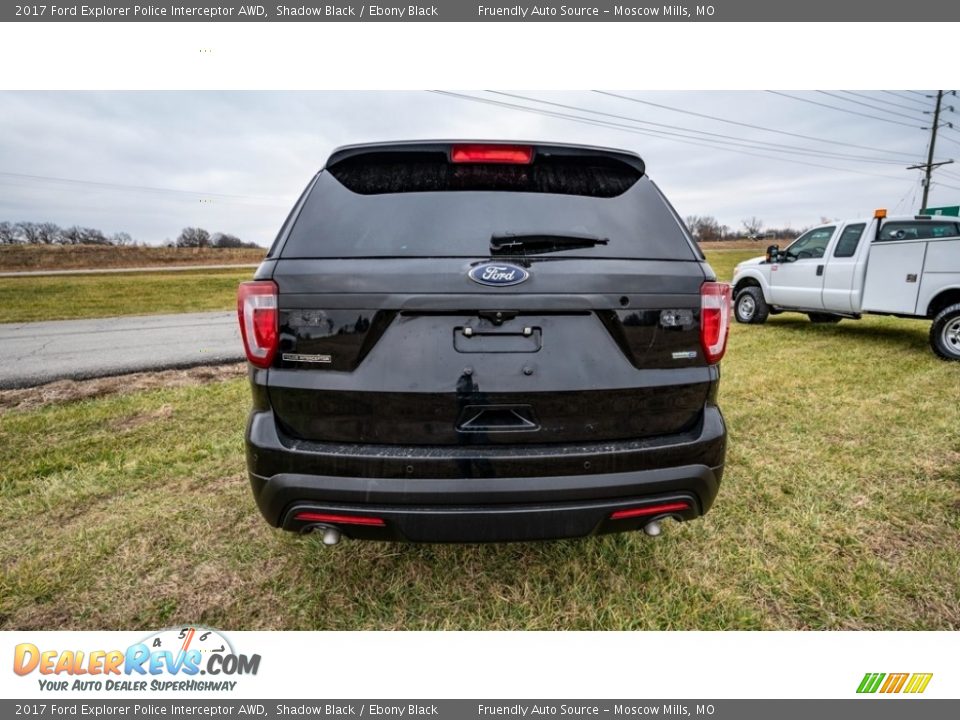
(706, 228)
(48, 233)
(193, 237)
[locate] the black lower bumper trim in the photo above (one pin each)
(475, 510)
(505, 523)
(483, 494)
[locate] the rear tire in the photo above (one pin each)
(750, 307)
(824, 318)
(945, 333)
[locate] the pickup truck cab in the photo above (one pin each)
(903, 266)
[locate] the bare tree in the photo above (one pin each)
(225, 240)
(71, 235)
(48, 233)
(193, 237)
(8, 233)
(92, 236)
(29, 232)
(753, 227)
(704, 228)
(120, 239)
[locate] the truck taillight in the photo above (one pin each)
(715, 303)
(257, 312)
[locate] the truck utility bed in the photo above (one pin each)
(903, 275)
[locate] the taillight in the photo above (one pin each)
(498, 154)
(715, 303)
(367, 520)
(648, 510)
(257, 312)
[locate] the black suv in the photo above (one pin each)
(463, 341)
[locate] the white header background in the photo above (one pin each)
(559, 56)
(669, 56)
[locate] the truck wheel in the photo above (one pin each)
(750, 307)
(824, 318)
(945, 333)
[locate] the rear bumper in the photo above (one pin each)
(483, 493)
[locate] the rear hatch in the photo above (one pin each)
(451, 294)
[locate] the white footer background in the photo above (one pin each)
(547, 665)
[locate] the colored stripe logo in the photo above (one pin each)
(913, 683)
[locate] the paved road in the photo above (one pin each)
(39, 352)
(111, 271)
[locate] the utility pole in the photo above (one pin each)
(933, 141)
(930, 165)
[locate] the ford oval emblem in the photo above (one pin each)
(498, 274)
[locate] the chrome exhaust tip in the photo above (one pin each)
(653, 528)
(331, 535)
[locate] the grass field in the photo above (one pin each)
(25, 299)
(840, 508)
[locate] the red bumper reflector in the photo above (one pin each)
(500, 154)
(339, 519)
(649, 510)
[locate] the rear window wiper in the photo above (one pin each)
(535, 243)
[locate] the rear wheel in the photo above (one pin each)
(750, 306)
(824, 318)
(945, 333)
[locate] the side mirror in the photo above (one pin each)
(773, 253)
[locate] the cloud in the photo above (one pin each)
(151, 163)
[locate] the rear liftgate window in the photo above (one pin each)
(421, 204)
(381, 173)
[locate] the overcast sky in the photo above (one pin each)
(151, 163)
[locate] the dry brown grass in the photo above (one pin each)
(15, 258)
(759, 246)
(63, 391)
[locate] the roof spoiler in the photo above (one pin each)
(446, 147)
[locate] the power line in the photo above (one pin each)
(904, 97)
(915, 92)
(725, 139)
(649, 133)
(911, 108)
(851, 112)
(940, 184)
(132, 188)
(868, 105)
(746, 125)
(916, 191)
(901, 201)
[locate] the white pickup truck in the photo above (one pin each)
(902, 266)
